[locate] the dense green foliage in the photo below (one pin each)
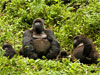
(66, 20)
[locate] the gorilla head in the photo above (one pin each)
(9, 50)
(7, 46)
(62, 54)
(78, 40)
(38, 25)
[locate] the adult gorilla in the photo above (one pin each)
(84, 50)
(39, 42)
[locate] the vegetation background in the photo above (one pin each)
(66, 20)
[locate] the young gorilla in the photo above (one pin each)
(62, 54)
(84, 50)
(9, 50)
(39, 42)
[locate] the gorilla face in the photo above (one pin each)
(38, 25)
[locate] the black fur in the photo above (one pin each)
(84, 50)
(62, 54)
(9, 50)
(28, 49)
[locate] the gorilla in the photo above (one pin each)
(39, 42)
(84, 50)
(9, 50)
(62, 54)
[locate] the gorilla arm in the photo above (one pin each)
(87, 47)
(55, 47)
(28, 49)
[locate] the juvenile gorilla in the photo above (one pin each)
(39, 42)
(62, 54)
(84, 50)
(9, 50)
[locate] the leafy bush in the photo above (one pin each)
(66, 20)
